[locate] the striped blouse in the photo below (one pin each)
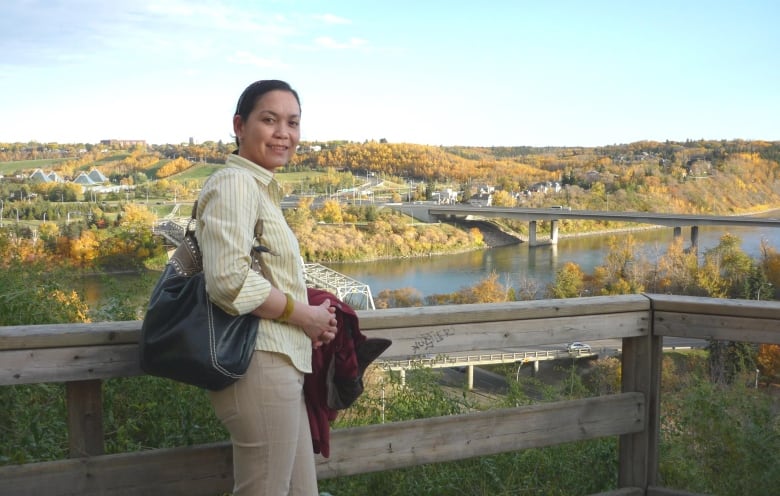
(230, 205)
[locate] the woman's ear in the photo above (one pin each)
(238, 125)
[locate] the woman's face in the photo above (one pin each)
(270, 135)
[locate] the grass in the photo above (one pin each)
(27, 165)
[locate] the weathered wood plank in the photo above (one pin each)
(85, 418)
(638, 455)
(125, 332)
(714, 326)
(121, 360)
(480, 313)
(68, 364)
(68, 335)
(406, 444)
(206, 469)
(716, 306)
(663, 491)
(455, 337)
(623, 491)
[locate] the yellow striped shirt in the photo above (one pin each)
(230, 204)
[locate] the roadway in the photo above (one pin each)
(549, 214)
(454, 365)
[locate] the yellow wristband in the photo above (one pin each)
(288, 308)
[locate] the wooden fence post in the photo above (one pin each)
(642, 373)
(85, 417)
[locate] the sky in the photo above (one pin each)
(490, 73)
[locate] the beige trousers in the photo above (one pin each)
(265, 413)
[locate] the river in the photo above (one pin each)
(521, 266)
(517, 266)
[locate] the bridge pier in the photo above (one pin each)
(694, 236)
(532, 241)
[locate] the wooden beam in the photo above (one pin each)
(411, 339)
(753, 309)
(718, 327)
(479, 313)
(207, 469)
(69, 335)
(405, 444)
(68, 364)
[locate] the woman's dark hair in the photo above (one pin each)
(253, 92)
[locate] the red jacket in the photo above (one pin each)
(340, 357)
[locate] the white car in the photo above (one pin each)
(577, 346)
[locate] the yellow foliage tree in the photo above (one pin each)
(84, 249)
(137, 216)
(769, 360)
(503, 199)
(569, 282)
(331, 212)
(488, 290)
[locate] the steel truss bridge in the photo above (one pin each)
(354, 293)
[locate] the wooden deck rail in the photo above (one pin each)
(83, 355)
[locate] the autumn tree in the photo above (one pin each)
(676, 270)
(488, 290)
(330, 212)
(622, 270)
(503, 198)
(725, 273)
(568, 283)
(398, 298)
(768, 360)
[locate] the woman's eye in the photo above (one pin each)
(294, 123)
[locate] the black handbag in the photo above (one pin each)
(186, 337)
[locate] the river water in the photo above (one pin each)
(518, 265)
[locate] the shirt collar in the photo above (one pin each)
(261, 174)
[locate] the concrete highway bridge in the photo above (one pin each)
(554, 215)
(468, 361)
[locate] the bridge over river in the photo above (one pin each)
(554, 215)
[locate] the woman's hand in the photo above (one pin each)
(320, 324)
(317, 321)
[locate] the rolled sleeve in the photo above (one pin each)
(228, 209)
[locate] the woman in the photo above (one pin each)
(264, 411)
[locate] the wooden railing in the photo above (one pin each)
(83, 355)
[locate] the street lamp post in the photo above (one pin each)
(2, 207)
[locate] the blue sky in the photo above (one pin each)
(490, 73)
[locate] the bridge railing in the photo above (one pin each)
(83, 355)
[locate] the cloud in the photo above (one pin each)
(330, 43)
(332, 19)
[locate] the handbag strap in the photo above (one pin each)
(187, 259)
